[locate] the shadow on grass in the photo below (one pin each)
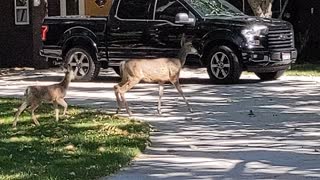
(79, 147)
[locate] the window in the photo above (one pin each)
(214, 8)
(133, 9)
(72, 7)
(168, 9)
(21, 12)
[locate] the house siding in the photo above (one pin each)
(19, 44)
(16, 40)
(54, 8)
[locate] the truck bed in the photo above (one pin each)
(60, 25)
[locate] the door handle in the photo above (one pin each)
(154, 30)
(115, 29)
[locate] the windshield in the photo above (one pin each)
(214, 8)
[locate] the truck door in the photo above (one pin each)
(165, 34)
(126, 34)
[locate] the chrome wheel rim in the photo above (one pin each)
(79, 63)
(220, 65)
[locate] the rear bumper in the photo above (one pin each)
(268, 61)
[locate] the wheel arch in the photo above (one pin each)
(222, 37)
(80, 42)
(80, 37)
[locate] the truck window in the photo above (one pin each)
(133, 9)
(168, 9)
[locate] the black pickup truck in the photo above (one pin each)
(228, 41)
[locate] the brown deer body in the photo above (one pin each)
(55, 93)
(159, 71)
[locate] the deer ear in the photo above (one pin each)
(183, 40)
(66, 68)
(62, 68)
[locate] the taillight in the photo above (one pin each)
(44, 30)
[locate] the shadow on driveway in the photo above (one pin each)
(250, 130)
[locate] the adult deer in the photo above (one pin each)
(160, 70)
(55, 93)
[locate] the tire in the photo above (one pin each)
(223, 65)
(84, 65)
(270, 75)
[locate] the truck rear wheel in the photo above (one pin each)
(85, 67)
(270, 75)
(223, 65)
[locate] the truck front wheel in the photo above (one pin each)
(223, 65)
(84, 66)
(270, 75)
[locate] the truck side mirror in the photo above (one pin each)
(183, 18)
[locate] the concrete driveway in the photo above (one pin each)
(252, 130)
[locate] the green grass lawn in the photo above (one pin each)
(304, 70)
(85, 145)
(299, 70)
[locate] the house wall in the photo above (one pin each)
(92, 9)
(20, 44)
(16, 47)
(77, 7)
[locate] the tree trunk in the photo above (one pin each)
(261, 8)
(283, 9)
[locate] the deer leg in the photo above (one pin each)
(23, 106)
(118, 98)
(119, 101)
(56, 109)
(117, 93)
(63, 103)
(125, 88)
(160, 95)
(33, 107)
(178, 87)
(126, 104)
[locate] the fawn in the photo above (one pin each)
(55, 93)
(160, 70)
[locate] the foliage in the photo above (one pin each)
(86, 145)
(261, 8)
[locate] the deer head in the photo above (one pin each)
(68, 72)
(186, 44)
